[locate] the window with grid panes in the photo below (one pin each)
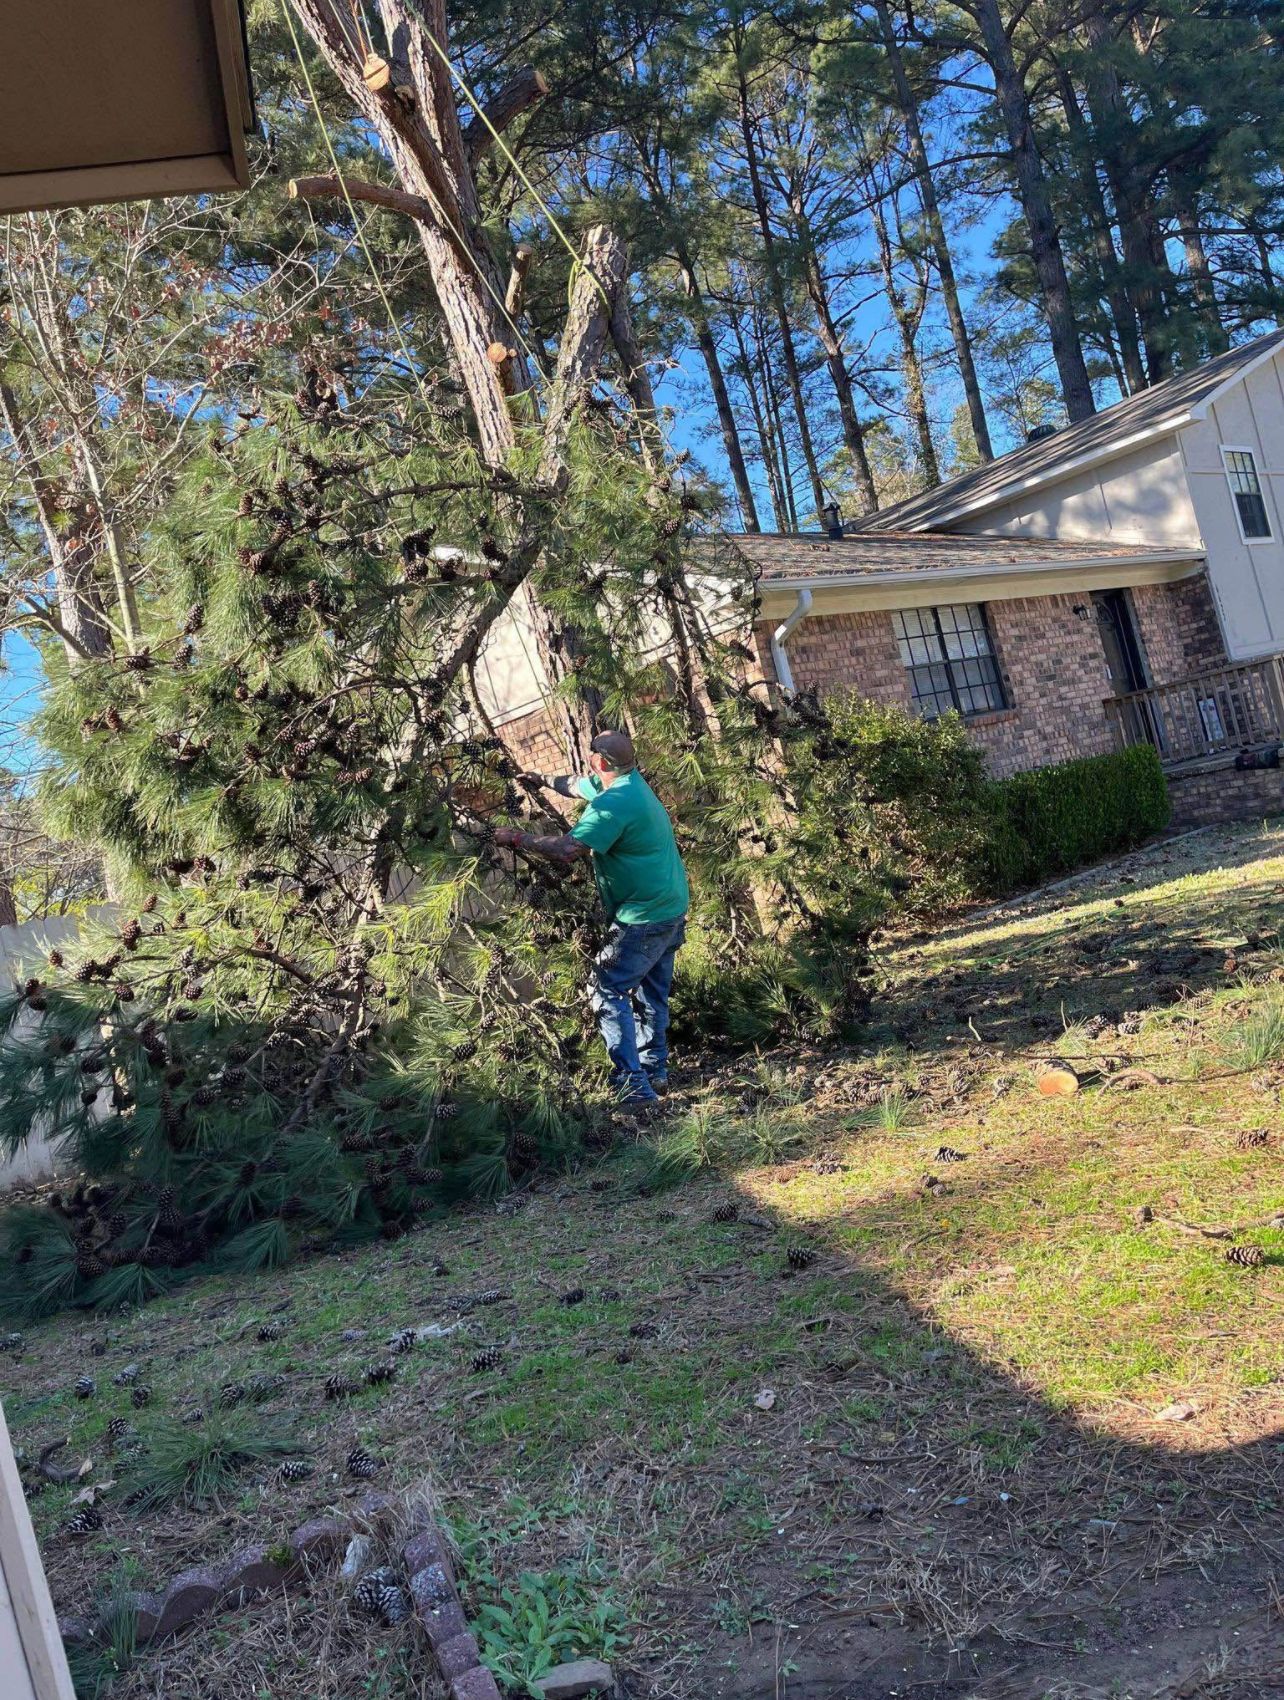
(1246, 488)
(950, 659)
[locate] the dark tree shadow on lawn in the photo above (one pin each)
(943, 1529)
(1126, 962)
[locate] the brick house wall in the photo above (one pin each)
(1179, 630)
(1052, 662)
(535, 742)
(1054, 675)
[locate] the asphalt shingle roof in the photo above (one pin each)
(784, 557)
(1035, 463)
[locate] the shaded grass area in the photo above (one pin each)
(966, 1380)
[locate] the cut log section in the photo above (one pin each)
(1058, 1080)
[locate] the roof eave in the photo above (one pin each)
(921, 586)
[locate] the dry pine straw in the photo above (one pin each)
(966, 1384)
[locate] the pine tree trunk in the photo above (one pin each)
(771, 394)
(435, 161)
(70, 547)
(698, 312)
(1134, 212)
(1121, 309)
(1271, 283)
(1200, 273)
(1032, 188)
(908, 104)
(776, 286)
(911, 366)
(779, 507)
(836, 361)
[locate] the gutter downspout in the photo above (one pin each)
(779, 660)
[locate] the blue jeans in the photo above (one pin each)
(629, 994)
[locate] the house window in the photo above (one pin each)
(1246, 488)
(950, 659)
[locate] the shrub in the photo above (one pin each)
(1053, 819)
(907, 798)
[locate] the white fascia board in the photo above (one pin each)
(1210, 401)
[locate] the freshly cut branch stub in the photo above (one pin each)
(375, 73)
(1058, 1080)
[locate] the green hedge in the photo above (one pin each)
(1054, 819)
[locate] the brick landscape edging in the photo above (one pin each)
(251, 1570)
(436, 1603)
(262, 1567)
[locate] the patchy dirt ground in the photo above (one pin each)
(1015, 1428)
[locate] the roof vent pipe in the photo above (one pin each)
(833, 519)
(779, 660)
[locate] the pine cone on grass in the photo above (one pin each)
(87, 1521)
(1245, 1256)
(367, 1596)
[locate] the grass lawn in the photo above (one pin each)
(939, 1454)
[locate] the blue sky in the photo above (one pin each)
(20, 681)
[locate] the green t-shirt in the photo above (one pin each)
(639, 873)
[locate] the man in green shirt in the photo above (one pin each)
(643, 887)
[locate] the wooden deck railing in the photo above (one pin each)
(1237, 707)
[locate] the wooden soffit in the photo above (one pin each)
(116, 100)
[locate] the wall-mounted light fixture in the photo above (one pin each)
(1081, 612)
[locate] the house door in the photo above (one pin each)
(1126, 665)
(1125, 662)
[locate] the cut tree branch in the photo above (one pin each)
(376, 194)
(514, 295)
(522, 91)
